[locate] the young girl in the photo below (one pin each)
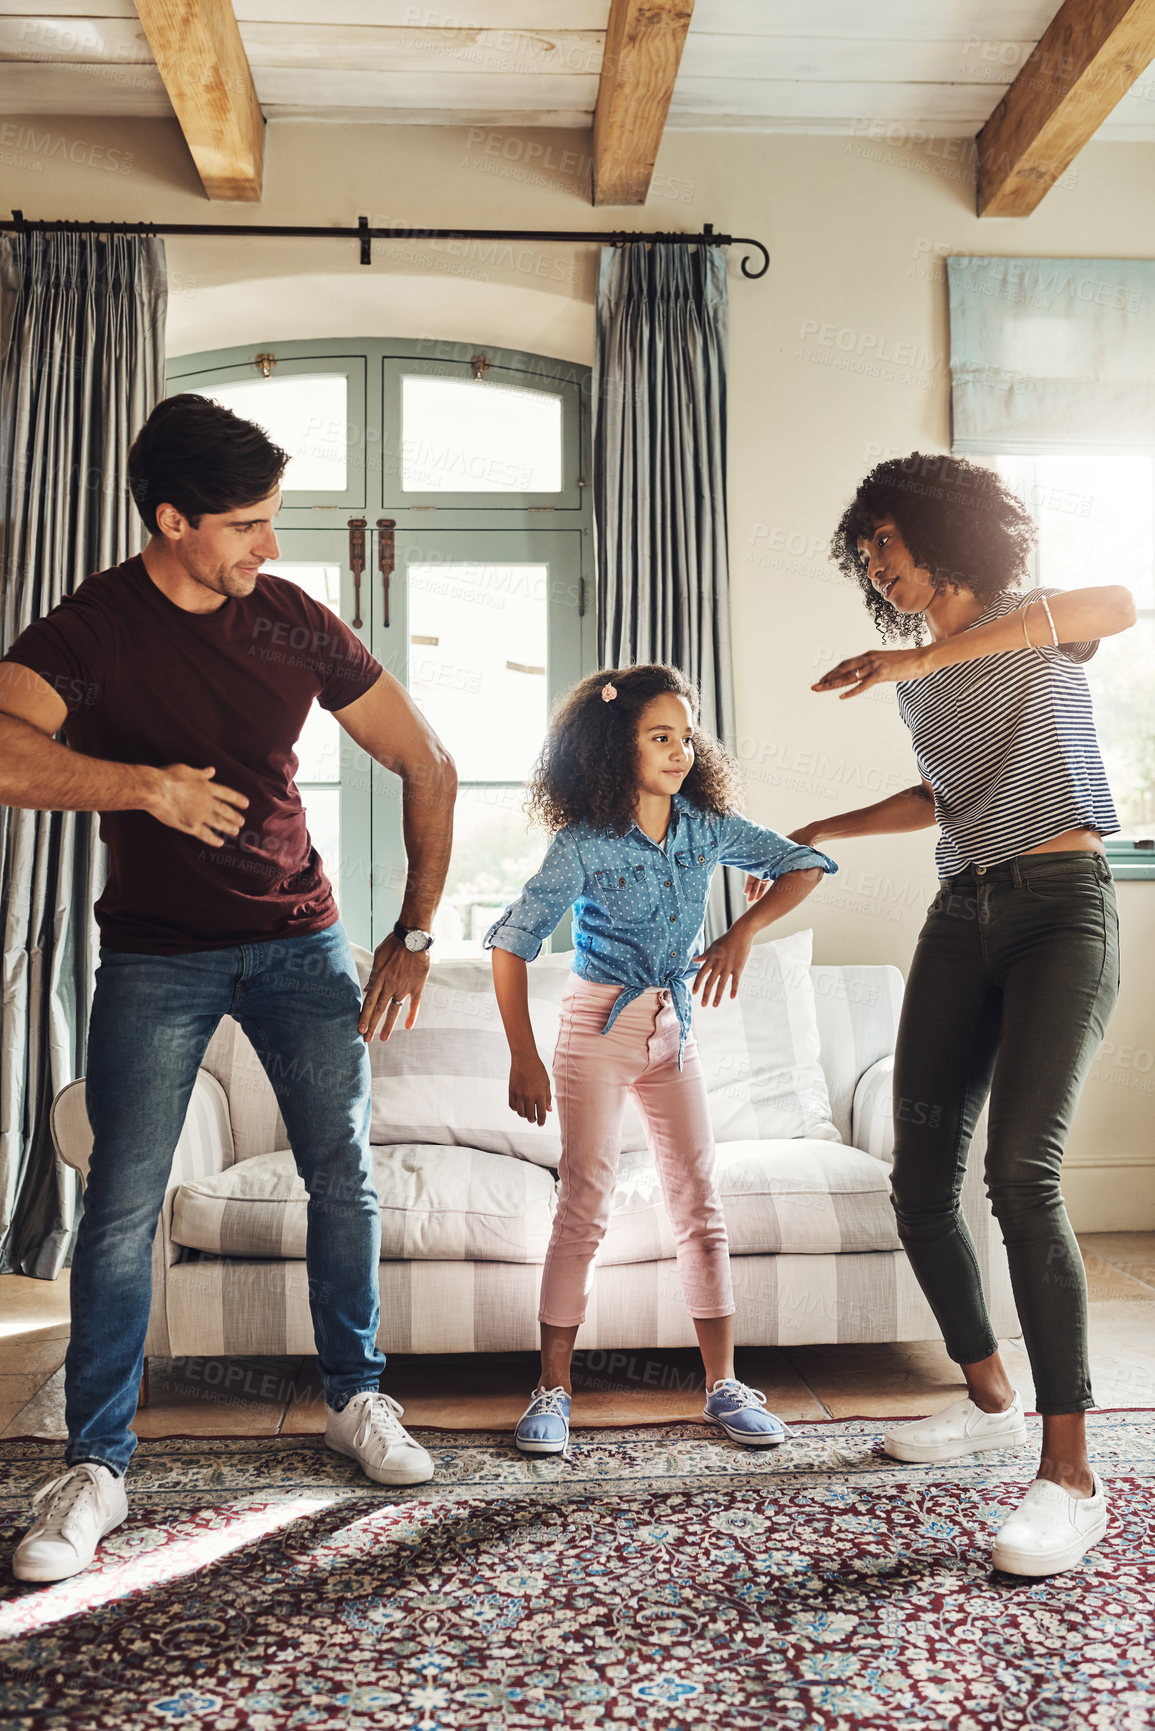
(642, 811)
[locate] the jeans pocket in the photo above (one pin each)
(1081, 885)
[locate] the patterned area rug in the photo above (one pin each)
(656, 1577)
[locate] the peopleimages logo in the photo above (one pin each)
(46, 145)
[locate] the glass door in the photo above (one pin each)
(333, 773)
(483, 632)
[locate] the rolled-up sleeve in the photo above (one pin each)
(546, 899)
(763, 852)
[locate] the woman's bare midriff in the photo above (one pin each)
(1071, 841)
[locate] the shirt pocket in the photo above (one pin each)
(629, 894)
(694, 867)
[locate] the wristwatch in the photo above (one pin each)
(412, 937)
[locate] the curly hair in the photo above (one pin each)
(587, 767)
(958, 520)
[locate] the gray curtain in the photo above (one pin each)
(81, 366)
(660, 478)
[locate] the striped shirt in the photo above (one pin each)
(1008, 746)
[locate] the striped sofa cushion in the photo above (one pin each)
(857, 1006)
(446, 1080)
(437, 1204)
(801, 1197)
(760, 1051)
(798, 1196)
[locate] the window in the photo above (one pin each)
(458, 439)
(1096, 518)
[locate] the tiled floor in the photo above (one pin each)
(281, 1396)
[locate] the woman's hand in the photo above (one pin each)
(809, 835)
(529, 1094)
(723, 960)
(876, 667)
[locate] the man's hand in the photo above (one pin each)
(875, 667)
(191, 801)
(397, 974)
(723, 960)
(529, 1094)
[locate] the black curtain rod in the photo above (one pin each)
(367, 235)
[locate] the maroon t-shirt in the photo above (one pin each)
(146, 682)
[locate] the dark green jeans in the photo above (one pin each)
(1014, 977)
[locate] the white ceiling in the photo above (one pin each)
(932, 66)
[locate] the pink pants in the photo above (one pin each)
(593, 1072)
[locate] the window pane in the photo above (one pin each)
(1124, 697)
(323, 815)
(494, 852)
(477, 663)
(1096, 518)
(319, 747)
(475, 436)
(307, 415)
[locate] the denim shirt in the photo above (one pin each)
(639, 909)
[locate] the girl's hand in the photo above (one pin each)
(723, 960)
(529, 1094)
(875, 667)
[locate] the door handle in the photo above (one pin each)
(357, 526)
(386, 557)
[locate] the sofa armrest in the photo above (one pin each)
(205, 1144)
(872, 1114)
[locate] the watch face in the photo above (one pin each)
(416, 940)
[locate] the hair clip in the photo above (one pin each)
(609, 692)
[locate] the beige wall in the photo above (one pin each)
(837, 356)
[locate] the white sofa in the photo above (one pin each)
(467, 1189)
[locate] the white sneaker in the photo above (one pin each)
(76, 1511)
(961, 1429)
(1050, 1530)
(369, 1431)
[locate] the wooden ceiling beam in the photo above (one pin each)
(1086, 60)
(644, 42)
(200, 56)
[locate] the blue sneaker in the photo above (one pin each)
(742, 1414)
(543, 1428)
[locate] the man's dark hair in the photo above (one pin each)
(200, 457)
(958, 520)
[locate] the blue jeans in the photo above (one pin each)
(298, 1000)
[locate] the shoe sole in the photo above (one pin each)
(541, 1448)
(44, 1573)
(766, 1442)
(1012, 1562)
(933, 1452)
(400, 1477)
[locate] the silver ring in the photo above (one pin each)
(397, 1000)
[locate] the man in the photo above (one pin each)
(179, 728)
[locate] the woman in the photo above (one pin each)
(1016, 968)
